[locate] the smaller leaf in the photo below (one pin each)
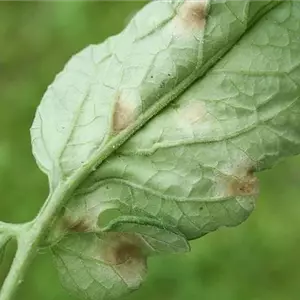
(113, 262)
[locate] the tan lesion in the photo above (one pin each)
(124, 113)
(124, 252)
(79, 226)
(191, 15)
(244, 185)
(123, 248)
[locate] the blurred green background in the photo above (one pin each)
(259, 260)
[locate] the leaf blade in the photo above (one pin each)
(192, 165)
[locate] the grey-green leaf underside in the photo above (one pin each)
(187, 103)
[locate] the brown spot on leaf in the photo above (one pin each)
(243, 186)
(123, 251)
(123, 248)
(124, 113)
(81, 225)
(191, 15)
(127, 251)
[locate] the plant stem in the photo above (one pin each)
(10, 229)
(28, 242)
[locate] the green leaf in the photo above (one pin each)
(167, 123)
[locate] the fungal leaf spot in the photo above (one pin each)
(124, 113)
(191, 15)
(122, 247)
(68, 225)
(123, 251)
(79, 226)
(245, 185)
